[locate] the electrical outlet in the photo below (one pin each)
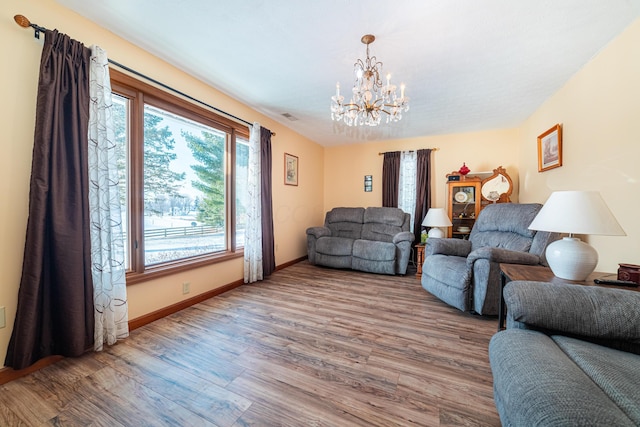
(3, 320)
(186, 288)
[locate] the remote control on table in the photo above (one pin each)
(615, 282)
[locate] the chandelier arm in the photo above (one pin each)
(374, 65)
(381, 105)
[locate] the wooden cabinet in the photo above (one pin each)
(467, 195)
(464, 204)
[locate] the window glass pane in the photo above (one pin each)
(242, 173)
(120, 114)
(184, 187)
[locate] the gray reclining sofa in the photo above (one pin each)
(375, 240)
(570, 356)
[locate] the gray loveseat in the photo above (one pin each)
(570, 356)
(376, 240)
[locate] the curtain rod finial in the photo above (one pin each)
(22, 21)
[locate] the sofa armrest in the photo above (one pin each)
(584, 311)
(446, 246)
(318, 232)
(503, 255)
(403, 236)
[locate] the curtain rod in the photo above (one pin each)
(24, 22)
(410, 151)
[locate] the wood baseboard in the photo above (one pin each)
(290, 263)
(10, 374)
(174, 308)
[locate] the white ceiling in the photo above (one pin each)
(468, 64)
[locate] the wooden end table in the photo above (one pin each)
(513, 272)
(419, 259)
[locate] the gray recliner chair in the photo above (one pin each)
(466, 273)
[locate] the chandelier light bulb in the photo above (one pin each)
(370, 98)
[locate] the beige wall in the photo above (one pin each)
(295, 208)
(599, 109)
(346, 166)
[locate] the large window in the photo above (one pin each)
(183, 174)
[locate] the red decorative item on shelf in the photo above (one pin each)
(464, 169)
(629, 272)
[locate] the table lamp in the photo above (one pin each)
(575, 212)
(435, 218)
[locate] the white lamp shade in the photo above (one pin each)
(575, 212)
(436, 217)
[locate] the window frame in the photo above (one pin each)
(140, 93)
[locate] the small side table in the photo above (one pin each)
(419, 259)
(538, 273)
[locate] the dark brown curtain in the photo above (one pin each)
(390, 179)
(55, 300)
(268, 252)
(423, 190)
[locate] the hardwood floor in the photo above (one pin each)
(308, 347)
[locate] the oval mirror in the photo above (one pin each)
(498, 187)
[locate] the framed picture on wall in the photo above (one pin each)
(368, 183)
(290, 169)
(550, 149)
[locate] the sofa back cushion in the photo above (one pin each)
(345, 222)
(381, 224)
(505, 225)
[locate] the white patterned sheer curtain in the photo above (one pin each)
(407, 183)
(107, 248)
(253, 233)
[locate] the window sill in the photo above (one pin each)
(175, 267)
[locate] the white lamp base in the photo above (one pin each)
(571, 258)
(435, 232)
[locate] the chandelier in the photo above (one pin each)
(370, 97)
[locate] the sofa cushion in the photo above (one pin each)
(448, 278)
(616, 372)
(345, 222)
(378, 267)
(374, 251)
(390, 216)
(535, 383)
(381, 224)
(337, 246)
(452, 270)
(342, 261)
(379, 232)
